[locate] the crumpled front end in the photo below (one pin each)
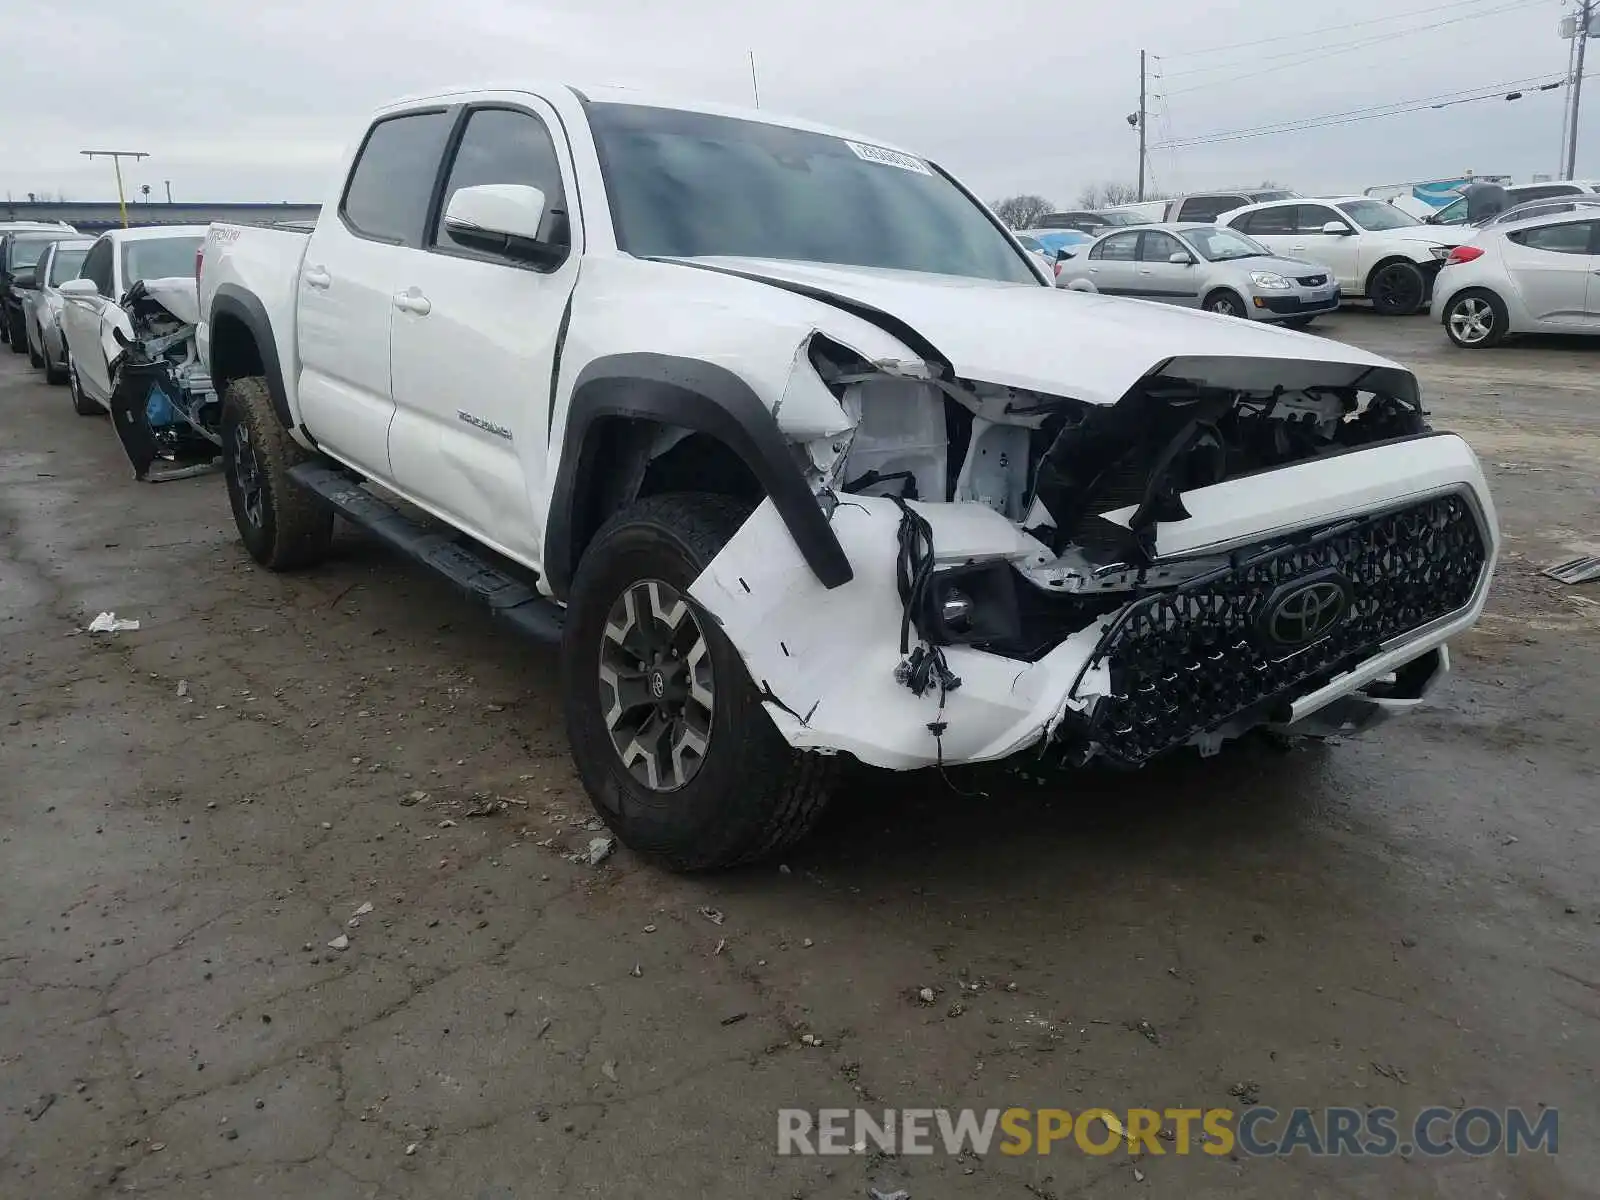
(163, 405)
(1235, 543)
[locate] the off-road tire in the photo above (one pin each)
(752, 795)
(1397, 289)
(81, 404)
(1226, 303)
(290, 527)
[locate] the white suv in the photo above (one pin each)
(1377, 252)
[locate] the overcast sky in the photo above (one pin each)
(255, 101)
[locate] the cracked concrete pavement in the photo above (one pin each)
(1404, 919)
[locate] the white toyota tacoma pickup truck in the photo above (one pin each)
(798, 454)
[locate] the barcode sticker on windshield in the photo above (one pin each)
(889, 158)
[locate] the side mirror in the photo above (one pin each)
(80, 289)
(1337, 229)
(1179, 258)
(503, 218)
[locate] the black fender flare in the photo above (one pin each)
(234, 302)
(696, 395)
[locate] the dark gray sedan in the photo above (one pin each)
(1203, 266)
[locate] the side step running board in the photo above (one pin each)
(508, 598)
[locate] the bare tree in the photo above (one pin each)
(1108, 195)
(1020, 212)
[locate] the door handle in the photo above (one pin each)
(411, 302)
(317, 277)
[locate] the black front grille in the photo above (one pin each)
(1312, 280)
(1190, 660)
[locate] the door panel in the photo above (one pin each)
(1113, 266)
(80, 320)
(1342, 253)
(1159, 279)
(1552, 268)
(475, 340)
(348, 278)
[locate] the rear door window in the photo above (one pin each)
(391, 184)
(1209, 208)
(1268, 221)
(1119, 247)
(1574, 238)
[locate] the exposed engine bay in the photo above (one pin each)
(1065, 470)
(163, 406)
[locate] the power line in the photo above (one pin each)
(1340, 28)
(1302, 56)
(1493, 91)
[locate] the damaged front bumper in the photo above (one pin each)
(1403, 533)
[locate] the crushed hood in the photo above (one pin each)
(179, 295)
(1083, 345)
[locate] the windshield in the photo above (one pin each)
(692, 185)
(1221, 245)
(1374, 214)
(66, 264)
(25, 252)
(159, 258)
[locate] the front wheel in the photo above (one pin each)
(1225, 304)
(281, 524)
(1398, 290)
(1475, 320)
(668, 733)
(1299, 322)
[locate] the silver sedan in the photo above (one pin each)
(41, 308)
(1203, 266)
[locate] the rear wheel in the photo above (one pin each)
(35, 358)
(281, 523)
(81, 404)
(1397, 289)
(1225, 303)
(19, 332)
(1476, 320)
(667, 730)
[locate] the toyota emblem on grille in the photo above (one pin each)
(1304, 611)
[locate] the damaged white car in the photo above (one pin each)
(129, 325)
(799, 454)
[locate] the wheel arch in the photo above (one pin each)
(241, 345)
(631, 414)
(1389, 260)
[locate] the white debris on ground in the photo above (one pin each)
(109, 622)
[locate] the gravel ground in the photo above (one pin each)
(190, 814)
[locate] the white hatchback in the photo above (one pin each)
(1541, 275)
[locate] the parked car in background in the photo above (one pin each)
(1208, 206)
(19, 253)
(1035, 248)
(1058, 244)
(1540, 275)
(1203, 266)
(1455, 213)
(41, 314)
(92, 308)
(1541, 208)
(1376, 251)
(1090, 221)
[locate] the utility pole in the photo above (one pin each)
(116, 157)
(755, 88)
(1585, 15)
(168, 182)
(1142, 121)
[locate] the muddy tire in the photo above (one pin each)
(81, 404)
(667, 730)
(283, 525)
